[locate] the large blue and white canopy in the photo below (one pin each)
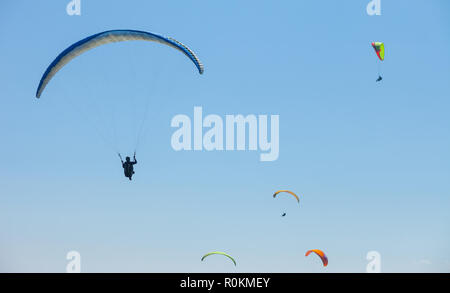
(110, 37)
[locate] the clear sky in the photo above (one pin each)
(370, 161)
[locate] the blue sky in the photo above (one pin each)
(369, 160)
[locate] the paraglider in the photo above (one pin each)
(128, 168)
(103, 38)
(106, 37)
(220, 253)
(379, 50)
(287, 191)
(321, 254)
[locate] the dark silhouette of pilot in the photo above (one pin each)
(128, 168)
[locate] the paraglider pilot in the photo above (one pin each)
(379, 78)
(128, 166)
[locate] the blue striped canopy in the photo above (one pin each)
(110, 37)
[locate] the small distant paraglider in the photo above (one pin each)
(287, 191)
(220, 253)
(321, 254)
(379, 49)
